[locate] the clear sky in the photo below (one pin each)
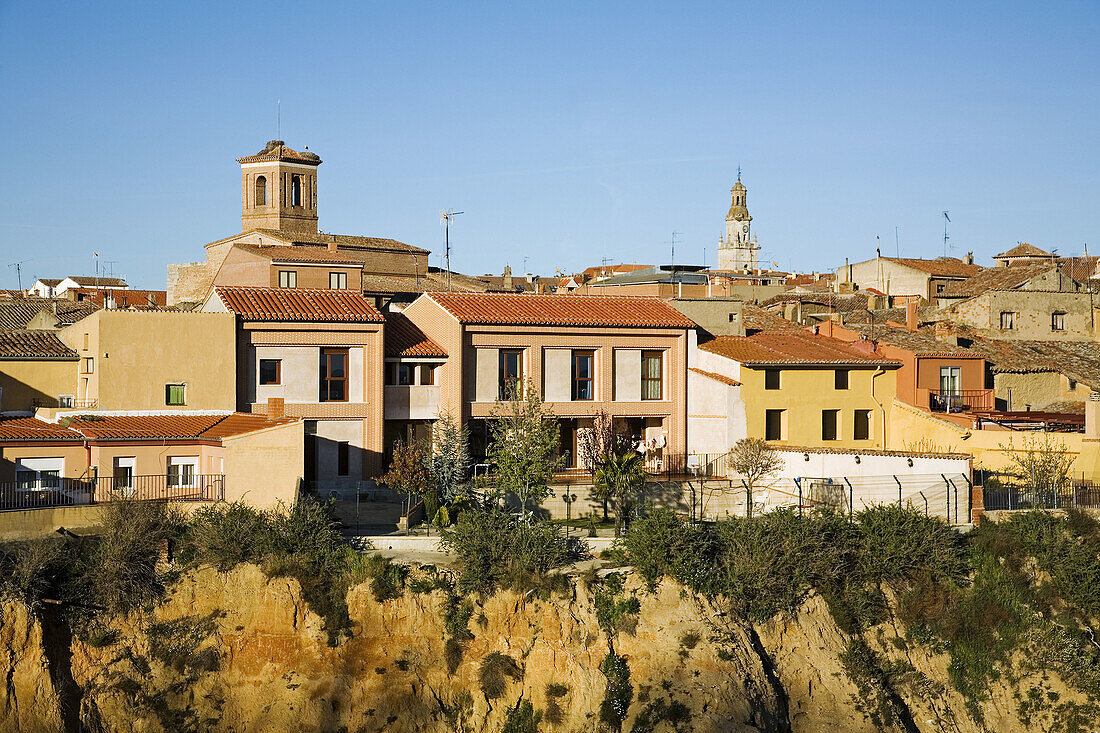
(567, 132)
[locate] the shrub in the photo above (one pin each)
(522, 719)
(495, 550)
(28, 570)
(494, 668)
(453, 651)
(618, 693)
(226, 535)
(898, 542)
(554, 713)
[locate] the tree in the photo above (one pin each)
(409, 474)
(620, 479)
(1042, 465)
(450, 460)
(756, 461)
(524, 447)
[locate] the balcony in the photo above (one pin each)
(66, 403)
(960, 400)
(51, 491)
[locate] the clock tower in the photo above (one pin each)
(739, 249)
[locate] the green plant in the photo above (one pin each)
(524, 447)
(226, 535)
(620, 479)
(29, 570)
(523, 718)
(410, 472)
(618, 692)
(492, 672)
(493, 550)
(756, 461)
(555, 715)
(450, 459)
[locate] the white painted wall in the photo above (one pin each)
(301, 374)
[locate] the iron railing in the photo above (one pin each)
(957, 400)
(65, 403)
(51, 491)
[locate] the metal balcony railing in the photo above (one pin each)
(958, 400)
(50, 491)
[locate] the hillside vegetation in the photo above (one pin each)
(243, 621)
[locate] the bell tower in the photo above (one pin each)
(279, 189)
(739, 249)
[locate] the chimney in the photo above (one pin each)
(276, 408)
(970, 258)
(911, 315)
(332, 245)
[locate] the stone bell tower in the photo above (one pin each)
(739, 249)
(279, 189)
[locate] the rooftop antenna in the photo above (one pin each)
(673, 265)
(19, 271)
(278, 119)
(897, 244)
(946, 221)
(96, 255)
(525, 258)
(108, 267)
(445, 219)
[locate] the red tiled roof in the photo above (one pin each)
(94, 426)
(34, 345)
(869, 452)
(997, 278)
(790, 347)
(299, 304)
(351, 244)
(756, 318)
(277, 150)
(299, 253)
(560, 310)
(716, 377)
(1023, 250)
(941, 266)
(403, 338)
(29, 428)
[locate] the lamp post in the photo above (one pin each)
(568, 499)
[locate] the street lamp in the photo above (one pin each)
(568, 499)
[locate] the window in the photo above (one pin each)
(342, 453)
(261, 191)
(583, 362)
(338, 280)
(89, 364)
(510, 373)
(391, 373)
(1057, 321)
(1071, 385)
(124, 472)
(771, 379)
(773, 424)
(840, 379)
(861, 428)
(175, 394)
(950, 378)
(288, 279)
(271, 371)
(828, 424)
(85, 342)
(1008, 320)
(405, 374)
(940, 287)
(295, 190)
(334, 375)
(427, 374)
(39, 473)
(182, 471)
(652, 378)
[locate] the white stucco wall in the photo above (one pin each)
(300, 374)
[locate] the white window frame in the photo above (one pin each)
(120, 463)
(47, 473)
(183, 479)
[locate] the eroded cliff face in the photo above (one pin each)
(241, 652)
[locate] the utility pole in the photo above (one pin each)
(19, 271)
(445, 219)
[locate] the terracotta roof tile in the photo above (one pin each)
(996, 278)
(277, 150)
(350, 243)
(29, 428)
(869, 452)
(716, 377)
(91, 281)
(922, 342)
(18, 312)
(34, 345)
(560, 310)
(96, 426)
(1024, 250)
(299, 253)
(755, 318)
(403, 338)
(299, 304)
(941, 266)
(790, 347)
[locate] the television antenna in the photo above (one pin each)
(674, 235)
(445, 218)
(946, 221)
(19, 271)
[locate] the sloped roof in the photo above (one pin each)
(425, 283)
(791, 348)
(940, 267)
(560, 310)
(922, 342)
(716, 377)
(348, 242)
(18, 312)
(277, 150)
(755, 318)
(298, 304)
(1024, 250)
(34, 345)
(97, 426)
(91, 281)
(50, 281)
(299, 253)
(403, 338)
(869, 452)
(1078, 360)
(997, 278)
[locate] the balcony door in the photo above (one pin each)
(950, 381)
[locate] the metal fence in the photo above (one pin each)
(1009, 492)
(52, 491)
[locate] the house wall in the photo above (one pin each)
(265, 468)
(1035, 390)
(136, 353)
(971, 375)
(716, 415)
(412, 402)
(24, 381)
(1033, 314)
(717, 316)
(889, 277)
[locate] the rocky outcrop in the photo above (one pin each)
(242, 652)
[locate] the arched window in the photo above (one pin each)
(295, 190)
(261, 191)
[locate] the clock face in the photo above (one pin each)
(745, 229)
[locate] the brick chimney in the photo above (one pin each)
(911, 315)
(332, 245)
(276, 408)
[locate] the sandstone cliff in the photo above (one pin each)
(241, 652)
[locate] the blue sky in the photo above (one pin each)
(566, 132)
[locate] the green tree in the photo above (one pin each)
(524, 447)
(409, 473)
(450, 461)
(619, 480)
(756, 461)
